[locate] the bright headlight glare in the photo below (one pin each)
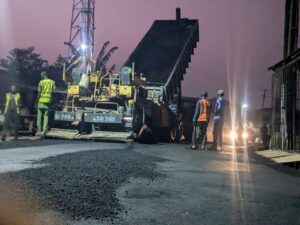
(233, 135)
(245, 135)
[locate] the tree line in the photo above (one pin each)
(23, 66)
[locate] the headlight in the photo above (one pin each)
(233, 135)
(245, 135)
(128, 119)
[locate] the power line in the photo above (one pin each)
(216, 79)
(205, 76)
(204, 73)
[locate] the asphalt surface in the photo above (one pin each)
(32, 143)
(82, 183)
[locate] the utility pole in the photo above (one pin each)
(291, 27)
(263, 106)
(263, 98)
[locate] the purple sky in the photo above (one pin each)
(239, 39)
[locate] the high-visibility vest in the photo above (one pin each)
(204, 110)
(46, 88)
(17, 98)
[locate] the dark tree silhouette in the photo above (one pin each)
(101, 53)
(23, 65)
(112, 68)
(103, 58)
(56, 70)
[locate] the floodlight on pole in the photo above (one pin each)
(244, 113)
(245, 106)
(83, 47)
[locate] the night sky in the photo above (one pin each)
(239, 39)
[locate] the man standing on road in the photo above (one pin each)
(218, 121)
(264, 135)
(11, 113)
(200, 121)
(46, 88)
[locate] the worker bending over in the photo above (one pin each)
(11, 113)
(200, 121)
(218, 121)
(46, 88)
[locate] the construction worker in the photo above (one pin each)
(11, 113)
(218, 121)
(46, 88)
(264, 135)
(200, 121)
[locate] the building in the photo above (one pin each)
(285, 127)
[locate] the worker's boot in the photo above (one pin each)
(39, 135)
(16, 135)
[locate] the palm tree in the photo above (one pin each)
(103, 58)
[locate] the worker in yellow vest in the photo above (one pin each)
(46, 88)
(200, 121)
(11, 113)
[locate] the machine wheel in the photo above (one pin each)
(84, 128)
(173, 135)
(176, 134)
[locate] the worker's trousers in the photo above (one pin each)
(11, 123)
(217, 134)
(199, 136)
(42, 117)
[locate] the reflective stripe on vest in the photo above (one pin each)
(17, 102)
(46, 91)
(204, 110)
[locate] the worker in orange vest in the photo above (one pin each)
(200, 121)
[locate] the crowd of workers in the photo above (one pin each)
(45, 89)
(201, 119)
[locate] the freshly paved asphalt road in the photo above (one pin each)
(22, 157)
(193, 188)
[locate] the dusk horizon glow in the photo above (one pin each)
(239, 39)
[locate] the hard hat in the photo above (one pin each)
(204, 94)
(220, 92)
(44, 73)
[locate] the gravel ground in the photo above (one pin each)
(31, 143)
(83, 185)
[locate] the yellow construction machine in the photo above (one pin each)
(147, 90)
